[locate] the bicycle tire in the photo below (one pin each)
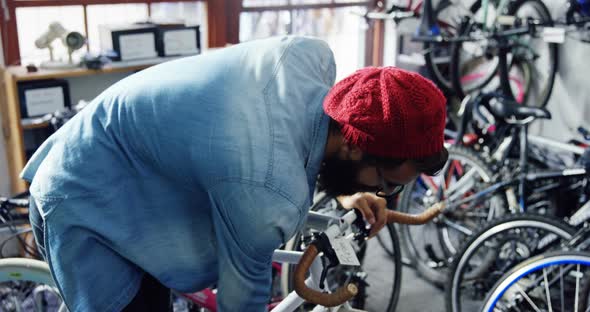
(415, 238)
(503, 225)
(461, 83)
(439, 71)
(359, 300)
(22, 270)
(552, 58)
(531, 266)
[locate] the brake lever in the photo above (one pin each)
(325, 268)
(322, 243)
(361, 225)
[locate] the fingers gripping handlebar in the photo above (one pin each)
(348, 291)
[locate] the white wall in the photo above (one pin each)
(570, 101)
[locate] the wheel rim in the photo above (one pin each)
(448, 19)
(531, 60)
(552, 283)
(26, 285)
(446, 234)
(494, 252)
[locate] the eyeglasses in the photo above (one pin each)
(387, 189)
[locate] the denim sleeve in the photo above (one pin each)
(250, 221)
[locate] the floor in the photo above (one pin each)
(417, 295)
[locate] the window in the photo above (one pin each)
(23, 21)
(112, 14)
(32, 22)
(192, 13)
(330, 20)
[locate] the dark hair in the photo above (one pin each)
(334, 127)
(429, 165)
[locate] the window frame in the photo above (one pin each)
(9, 26)
(374, 40)
(223, 19)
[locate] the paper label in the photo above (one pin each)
(344, 251)
(553, 34)
(136, 46)
(179, 42)
(44, 100)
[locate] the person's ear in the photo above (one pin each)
(351, 152)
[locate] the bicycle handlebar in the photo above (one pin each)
(16, 202)
(345, 293)
(340, 296)
(424, 217)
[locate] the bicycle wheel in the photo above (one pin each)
(447, 16)
(528, 72)
(474, 65)
(430, 246)
(494, 250)
(549, 282)
(378, 277)
(27, 285)
(437, 55)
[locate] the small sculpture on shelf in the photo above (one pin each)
(73, 41)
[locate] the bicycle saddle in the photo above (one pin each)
(508, 109)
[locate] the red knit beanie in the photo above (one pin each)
(389, 112)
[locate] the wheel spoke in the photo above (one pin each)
(429, 181)
(548, 295)
(457, 227)
(578, 275)
(462, 185)
(482, 215)
(562, 288)
(527, 298)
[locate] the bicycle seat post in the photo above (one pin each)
(523, 128)
(427, 25)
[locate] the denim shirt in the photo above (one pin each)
(194, 171)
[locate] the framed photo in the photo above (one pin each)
(41, 97)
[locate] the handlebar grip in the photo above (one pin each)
(427, 215)
(340, 296)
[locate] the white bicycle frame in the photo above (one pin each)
(293, 301)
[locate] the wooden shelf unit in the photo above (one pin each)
(12, 129)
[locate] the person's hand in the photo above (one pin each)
(371, 206)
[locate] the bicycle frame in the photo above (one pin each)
(500, 155)
(206, 298)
